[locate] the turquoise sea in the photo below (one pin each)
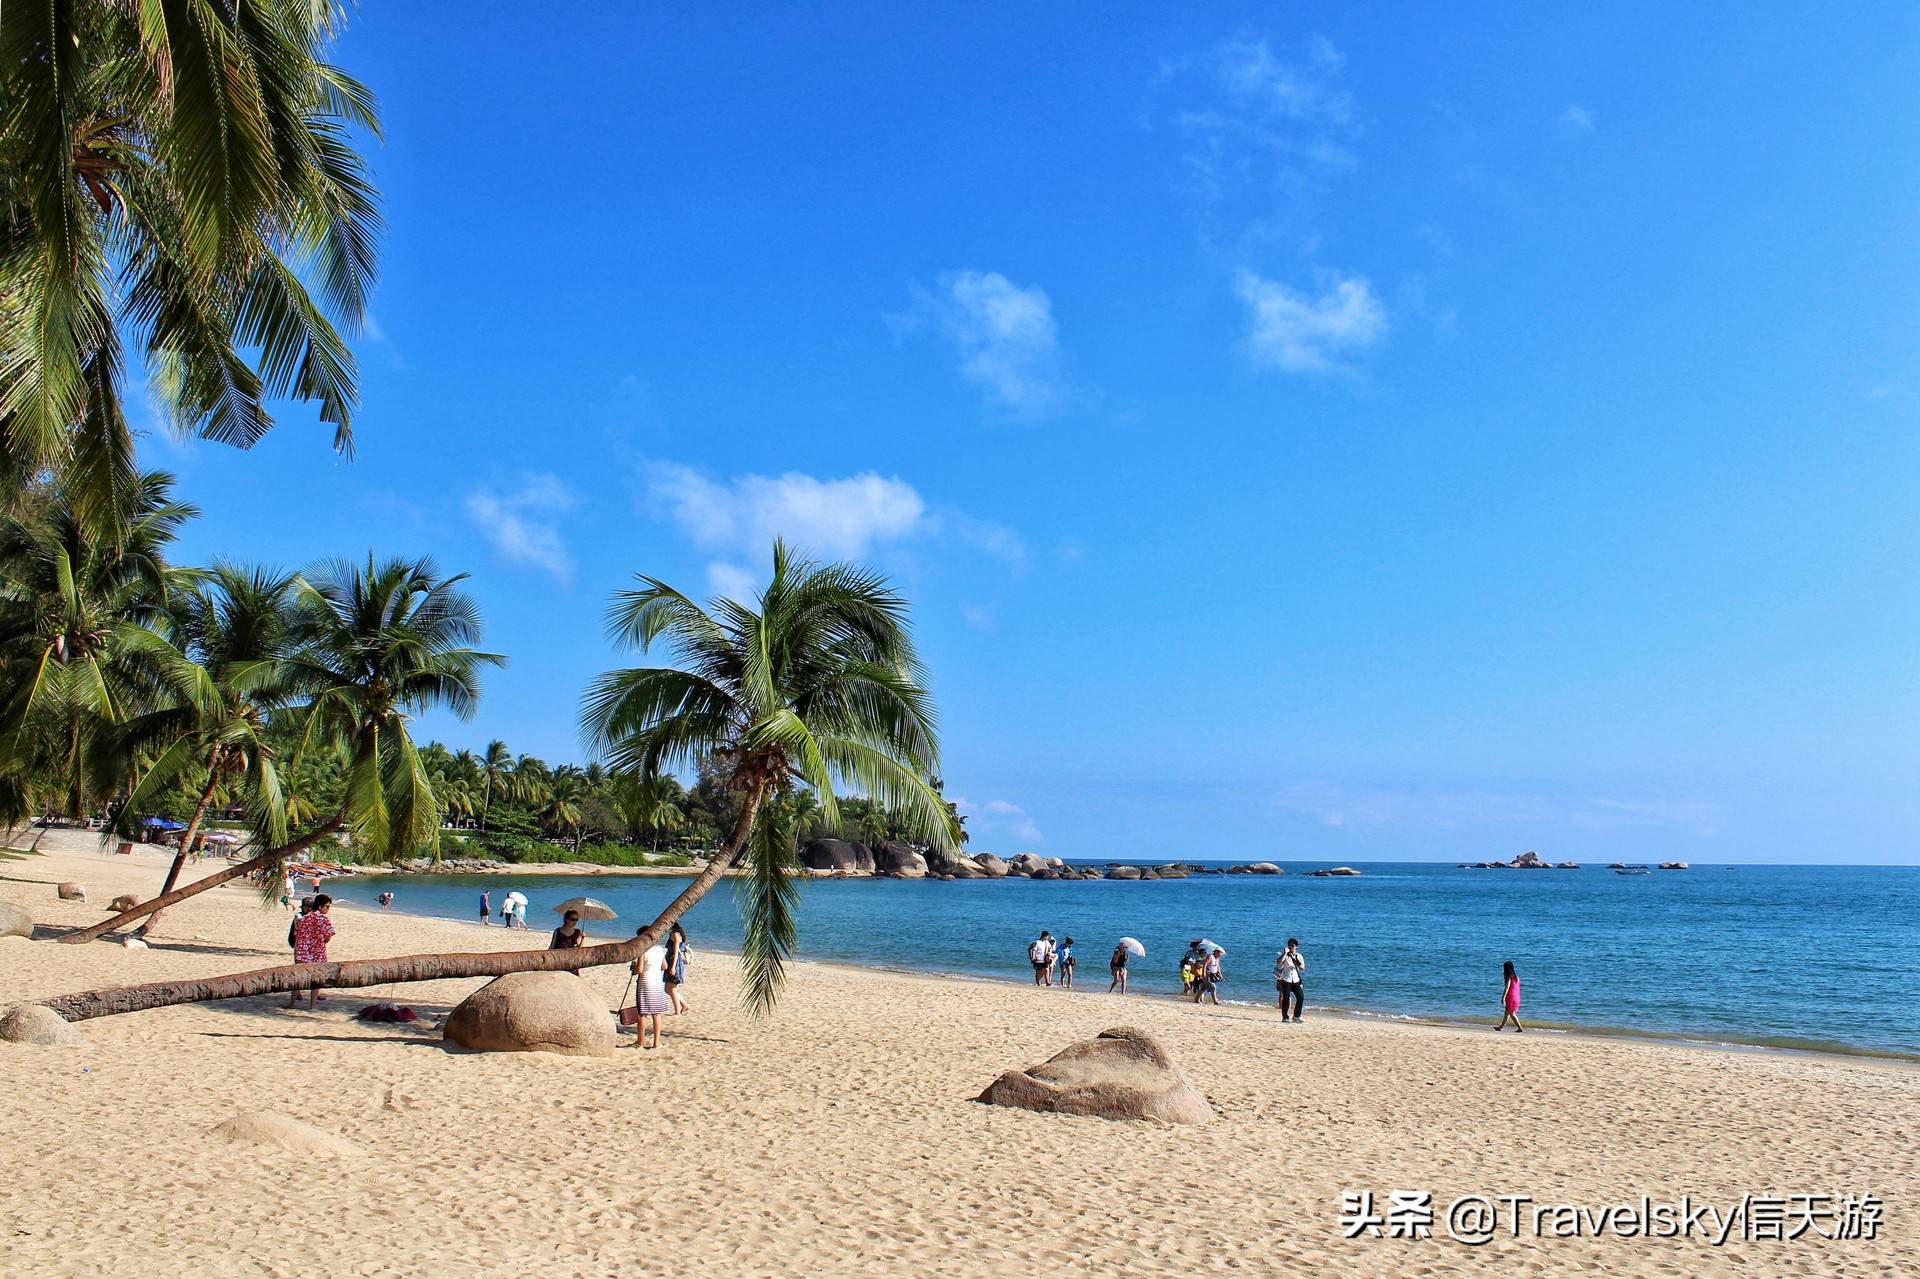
(1788, 956)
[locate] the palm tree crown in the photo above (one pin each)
(817, 686)
(374, 643)
(183, 175)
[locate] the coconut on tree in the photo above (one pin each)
(815, 685)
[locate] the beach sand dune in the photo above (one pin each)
(839, 1138)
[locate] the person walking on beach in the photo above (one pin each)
(650, 993)
(1117, 967)
(311, 933)
(286, 892)
(675, 972)
(1510, 1000)
(1207, 985)
(486, 907)
(1066, 962)
(1040, 955)
(1191, 965)
(1287, 968)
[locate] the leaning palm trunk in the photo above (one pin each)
(186, 839)
(271, 857)
(406, 968)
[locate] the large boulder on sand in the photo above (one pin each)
(14, 921)
(125, 901)
(1119, 1074)
(273, 1131)
(72, 892)
(836, 854)
(551, 1012)
(37, 1024)
(896, 858)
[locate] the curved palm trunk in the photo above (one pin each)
(186, 838)
(381, 972)
(198, 886)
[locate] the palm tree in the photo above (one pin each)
(496, 766)
(234, 633)
(181, 178)
(80, 648)
(649, 804)
(819, 685)
(371, 645)
(561, 812)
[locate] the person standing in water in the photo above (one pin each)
(1510, 1000)
(1066, 962)
(1287, 968)
(1117, 966)
(486, 907)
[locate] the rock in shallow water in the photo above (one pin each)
(1121, 1073)
(534, 1012)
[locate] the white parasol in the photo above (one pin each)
(589, 908)
(1207, 947)
(1134, 948)
(516, 896)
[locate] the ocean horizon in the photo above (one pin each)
(1814, 958)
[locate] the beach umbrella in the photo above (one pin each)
(225, 837)
(1134, 948)
(589, 908)
(1208, 947)
(516, 896)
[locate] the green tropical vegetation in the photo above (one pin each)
(816, 690)
(180, 185)
(181, 191)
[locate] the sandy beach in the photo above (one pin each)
(840, 1136)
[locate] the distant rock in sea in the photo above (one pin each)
(1333, 872)
(1674, 866)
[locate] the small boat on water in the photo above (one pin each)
(1633, 870)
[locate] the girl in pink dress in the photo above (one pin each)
(311, 933)
(1510, 1001)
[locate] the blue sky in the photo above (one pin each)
(1316, 431)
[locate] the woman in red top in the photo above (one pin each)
(311, 933)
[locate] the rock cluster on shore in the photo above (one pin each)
(850, 859)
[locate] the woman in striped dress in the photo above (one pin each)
(650, 993)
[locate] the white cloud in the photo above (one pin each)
(734, 582)
(1305, 90)
(1575, 119)
(1305, 334)
(1259, 125)
(521, 524)
(999, 818)
(840, 519)
(1005, 337)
